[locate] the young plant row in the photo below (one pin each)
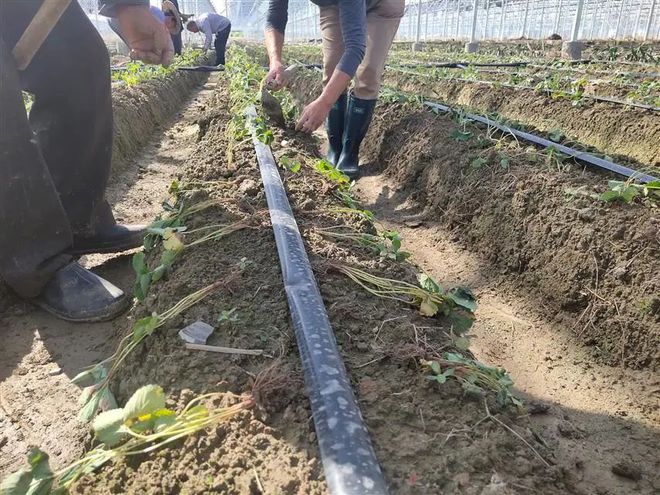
(134, 73)
(456, 305)
(144, 424)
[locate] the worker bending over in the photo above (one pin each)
(169, 15)
(357, 36)
(55, 165)
(211, 24)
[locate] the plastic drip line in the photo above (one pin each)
(578, 155)
(203, 68)
(349, 461)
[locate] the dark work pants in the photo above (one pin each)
(54, 167)
(178, 44)
(176, 38)
(220, 44)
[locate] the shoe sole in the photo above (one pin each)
(107, 248)
(118, 309)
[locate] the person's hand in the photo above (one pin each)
(313, 115)
(275, 77)
(148, 38)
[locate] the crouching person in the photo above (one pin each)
(357, 37)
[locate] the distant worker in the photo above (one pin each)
(55, 166)
(176, 36)
(169, 16)
(348, 27)
(211, 24)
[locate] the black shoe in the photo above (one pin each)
(334, 126)
(76, 294)
(113, 240)
(358, 118)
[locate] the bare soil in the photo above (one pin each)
(40, 354)
(488, 229)
(140, 111)
(429, 439)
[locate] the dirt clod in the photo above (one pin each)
(627, 469)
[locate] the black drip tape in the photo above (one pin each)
(349, 461)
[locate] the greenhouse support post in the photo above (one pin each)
(502, 16)
(525, 19)
(577, 21)
(472, 46)
(541, 26)
(638, 18)
(573, 49)
(558, 18)
(618, 20)
(485, 35)
(650, 21)
(417, 45)
(458, 17)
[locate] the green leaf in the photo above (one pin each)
(429, 284)
(90, 400)
(91, 376)
(462, 343)
(139, 264)
(463, 297)
(504, 163)
(456, 358)
(145, 327)
(556, 135)
(440, 378)
(478, 162)
(145, 400)
(609, 196)
(459, 135)
(435, 366)
(460, 321)
(17, 483)
(168, 257)
(109, 427)
(163, 419)
(36, 479)
(158, 273)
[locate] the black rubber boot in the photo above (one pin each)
(334, 126)
(113, 239)
(358, 118)
(76, 294)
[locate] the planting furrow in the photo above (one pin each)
(348, 458)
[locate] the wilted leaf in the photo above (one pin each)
(145, 400)
(109, 427)
(172, 241)
(428, 308)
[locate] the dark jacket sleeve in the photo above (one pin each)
(108, 7)
(278, 14)
(353, 20)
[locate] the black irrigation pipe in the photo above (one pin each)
(349, 461)
(202, 68)
(578, 155)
